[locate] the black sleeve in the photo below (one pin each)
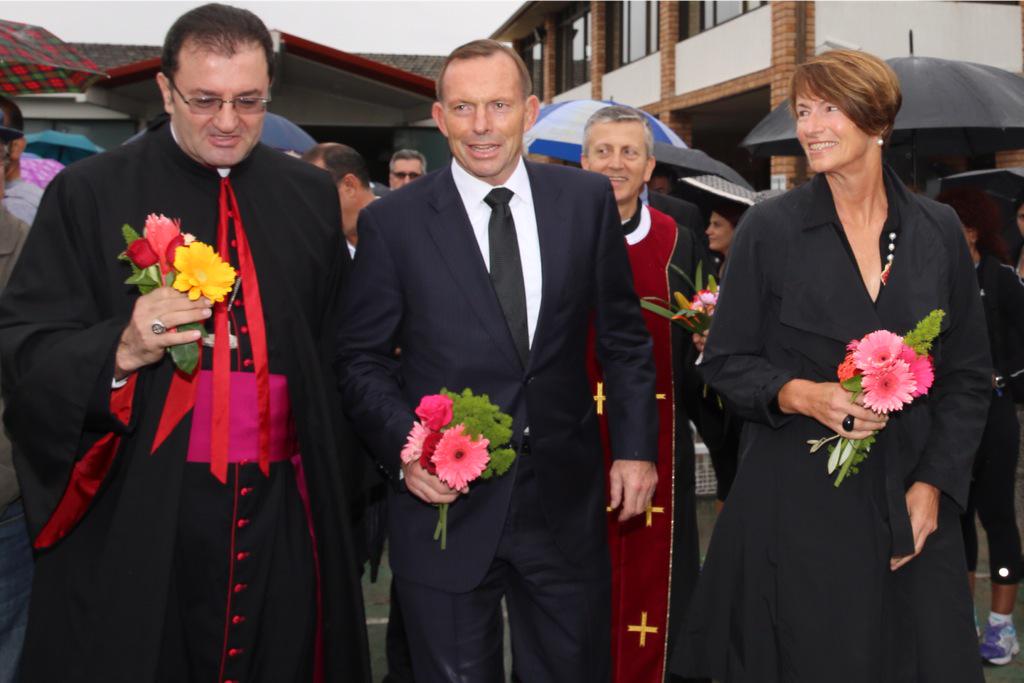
(962, 390)
(733, 362)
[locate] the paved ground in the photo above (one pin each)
(377, 606)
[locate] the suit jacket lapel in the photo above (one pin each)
(451, 230)
(553, 234)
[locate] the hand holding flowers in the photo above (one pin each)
(161, 258)
(454, 443)
(884, 373)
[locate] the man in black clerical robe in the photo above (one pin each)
(188, 527)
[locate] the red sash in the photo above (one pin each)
(641, 548)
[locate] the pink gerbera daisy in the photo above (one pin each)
(888, 388)
(877, 350)
(458, 458)
(921, 368)
(414, 443)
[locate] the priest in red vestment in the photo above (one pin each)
(655, 556)
(189, 526)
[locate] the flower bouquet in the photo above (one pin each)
(453, 439)
(695, 313)
(889, 371)
(163, 256)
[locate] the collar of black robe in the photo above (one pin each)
(822, 210)
(186, 163)
(633, 222)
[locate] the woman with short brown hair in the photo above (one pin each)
(863, 583)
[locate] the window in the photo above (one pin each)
(574, 47)
(720, 11)
(632, 31)
(532, 52)
(695, 17)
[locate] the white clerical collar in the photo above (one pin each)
(473, 190)
(222, 171)
(641, 230)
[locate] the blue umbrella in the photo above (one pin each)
(282, 134)
(64, 147)
(558, 131)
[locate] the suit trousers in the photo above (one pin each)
(559, 622)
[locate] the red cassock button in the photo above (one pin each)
(246, 490)
(237, 619)
(239, 303)
(234, 243)
(242, 523)
(247, 362)
(231, 681)
(235, 651)
(239, 587)
(244, 329)
(244, 461)
(242, 555)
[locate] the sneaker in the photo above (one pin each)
(999, 644)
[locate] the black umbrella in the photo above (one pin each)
(695, 162)
(1002, 183)
(949, 108)
(1005, 185)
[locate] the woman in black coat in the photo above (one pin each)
(995, 465)
(718, 426)
(862, 583)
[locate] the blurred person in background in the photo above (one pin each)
(20, 196)
(406, 165)
(15, 544)
(995, 464)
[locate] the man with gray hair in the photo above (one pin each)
(406, 165)
(661, 570)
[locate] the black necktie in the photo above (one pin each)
(507, 268)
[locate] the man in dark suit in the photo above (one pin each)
(489, 274)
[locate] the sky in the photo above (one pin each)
(390, 26)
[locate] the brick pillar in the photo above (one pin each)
(598, 36)
(550, 58)
(680, 123)
(668, 35)
(1010, 157)
(792, 44)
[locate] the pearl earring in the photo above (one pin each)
(880, 142)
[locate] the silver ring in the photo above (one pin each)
(158, 327)
(848, 423)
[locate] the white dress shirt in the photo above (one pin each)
(472, 190)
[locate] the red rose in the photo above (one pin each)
(435, 411)
(141, 254)
(429, 446)
(177, 241)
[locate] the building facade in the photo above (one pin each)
(713, 70)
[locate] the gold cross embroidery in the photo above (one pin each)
(600, 398)
(651, 510)
(660, 397)
(643, 629)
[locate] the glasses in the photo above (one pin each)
(406, 175)
(211, 105)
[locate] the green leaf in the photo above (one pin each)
(924, 333)
(854, 384)
(185, 356)
(129, 234)
(656, 309)
(145, 277)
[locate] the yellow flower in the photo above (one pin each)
(201, 272)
